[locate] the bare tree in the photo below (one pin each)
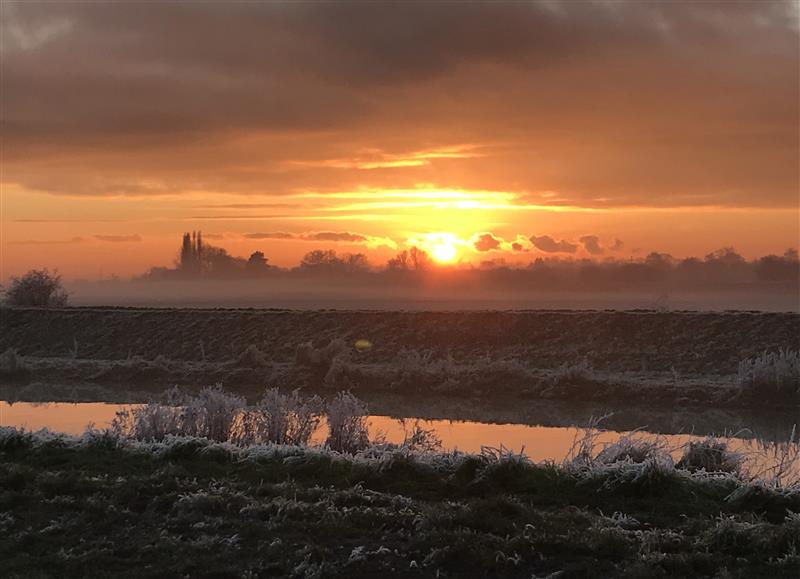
(37, 288)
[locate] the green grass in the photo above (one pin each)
(102, 506)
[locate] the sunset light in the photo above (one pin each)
(444, 252)
(280, 280)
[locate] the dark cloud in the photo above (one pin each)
(548, 244)
(606, 103)
(270, 235)
(345, 236)
(591, 243)
(486, 242)
(617, 245)
(119, 238)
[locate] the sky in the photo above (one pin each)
(476, 130)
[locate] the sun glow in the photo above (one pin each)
(444, 252)
(442, 247)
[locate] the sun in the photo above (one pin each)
(444, 251)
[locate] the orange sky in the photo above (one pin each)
(518, 129)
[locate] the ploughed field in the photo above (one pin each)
(690, 356)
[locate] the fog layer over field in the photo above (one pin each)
(312, 292)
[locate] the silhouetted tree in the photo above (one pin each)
(256, 263)
(415, 259)
(321, 259)
(37, 288)
(774, 268)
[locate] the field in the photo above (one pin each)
(103, 506)
(664, 357)
(214, 482)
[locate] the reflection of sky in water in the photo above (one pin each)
(540, 443)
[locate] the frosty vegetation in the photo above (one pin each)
(281, 418)
(772, 375)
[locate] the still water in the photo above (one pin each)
(540, 443)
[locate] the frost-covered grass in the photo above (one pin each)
(774, 464)
(222, 416)
(102, 504)
(771, 376)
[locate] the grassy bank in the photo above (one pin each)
(101, 505)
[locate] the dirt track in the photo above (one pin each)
(692, 343)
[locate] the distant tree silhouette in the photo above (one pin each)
(256, 263)
(37, 288)
(774, 268)
(192, 249)
(414, 259)
(321, 259)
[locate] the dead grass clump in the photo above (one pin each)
(347, 424)
(11, 362)
(309, 356)
(772, 375)
(572, 372)
(150, 422)
(633, 449)
(252, 357)
(710, 455)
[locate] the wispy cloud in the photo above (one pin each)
(378, 159)
(370, 241)
(135, 238)
(49, 241)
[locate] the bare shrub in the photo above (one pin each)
(420, 439)
(150, 422)
(37, 288)
(771, 375)
(212, 413)
(780, 466)
(710, 455)
(347, 423)
(279, 418)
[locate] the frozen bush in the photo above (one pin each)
(771, 375)
(150, 422)
(279, 419)
(212, 413)
(710, 455)
(347, 423)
